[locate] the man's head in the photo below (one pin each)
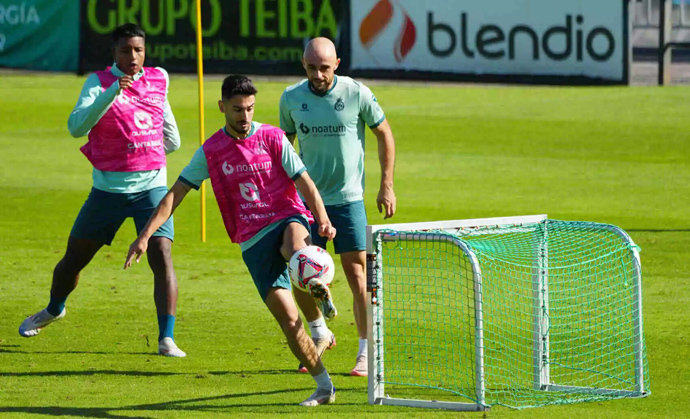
(320, 62)
(237, 103)
(129, 48)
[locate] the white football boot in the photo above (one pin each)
(32, 325)
(167, 347)
(361, 367)
(320, 397)
(322, 295)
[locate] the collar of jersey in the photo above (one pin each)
(251, 132)
(119, 73)
(335, 81)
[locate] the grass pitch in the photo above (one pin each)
(618, 155)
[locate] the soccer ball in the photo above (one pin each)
(309, 266)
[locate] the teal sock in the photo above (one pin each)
(166, 325)
(56, 305)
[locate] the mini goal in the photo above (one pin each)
(515, 311)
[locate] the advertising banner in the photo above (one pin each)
(585, 38)
(239, 36)
(39, 34)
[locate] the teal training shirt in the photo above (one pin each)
(330, 129)
(197, 171)
(92, 104)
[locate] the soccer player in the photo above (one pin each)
(254, 170)
(125, 112)
(329, 113)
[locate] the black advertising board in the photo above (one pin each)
(239, 36)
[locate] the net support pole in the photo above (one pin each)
(375, 328)
(540, 339)
(200, 75)
(637, 309)
(374, 317)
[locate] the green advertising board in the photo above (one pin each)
(243, 36)
(39, 34)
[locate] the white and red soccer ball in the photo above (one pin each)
(309, 266)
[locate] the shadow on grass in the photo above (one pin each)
(88, 373)
(14, 351)
(200, 404)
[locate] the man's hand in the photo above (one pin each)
(386, 201)
(327, 231)
(126, 82)
(137, 249)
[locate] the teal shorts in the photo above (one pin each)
(104, 212)
(264, 261)
(350, 222)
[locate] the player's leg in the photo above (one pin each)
(159, 255)
(279, 301)
(268, 269)
(295, 238)
(354, 266)
(350, 221)
(98, 220)
(164, 294)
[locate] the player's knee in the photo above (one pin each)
(290, 325)
(161, 246)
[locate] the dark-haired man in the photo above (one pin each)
(253, 170)
(125, 112)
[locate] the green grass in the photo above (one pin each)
(617, 155)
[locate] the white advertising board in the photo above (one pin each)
(500, 37)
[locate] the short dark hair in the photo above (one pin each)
(128, 30)
(236, 84)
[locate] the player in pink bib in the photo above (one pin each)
(125, 113)
(255, 173)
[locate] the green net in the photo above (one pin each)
(519, 316)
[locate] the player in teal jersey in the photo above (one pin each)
(329, 114)
(124, 190)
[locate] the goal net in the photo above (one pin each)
(518, 312)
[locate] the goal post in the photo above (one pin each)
(514, 311)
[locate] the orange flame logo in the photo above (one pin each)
(378, 19)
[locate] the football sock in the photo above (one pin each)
(318, 328)
(323, 381)
(362, 347)
(166, 324)
(56, 305)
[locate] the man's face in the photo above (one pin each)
(320, 71)
(239, 112)
(129, 54)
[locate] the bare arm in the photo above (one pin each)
(163, 211)
(315, 203)
(386, 145)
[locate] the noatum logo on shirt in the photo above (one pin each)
(326, 130)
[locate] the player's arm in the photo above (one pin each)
(386, 146)
(92, 104)
(171, 134)
(161, 214)
(315, 203)
(287, 124)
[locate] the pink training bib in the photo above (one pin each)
(129, 136)
(251, 186)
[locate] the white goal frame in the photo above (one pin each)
(540, 358)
